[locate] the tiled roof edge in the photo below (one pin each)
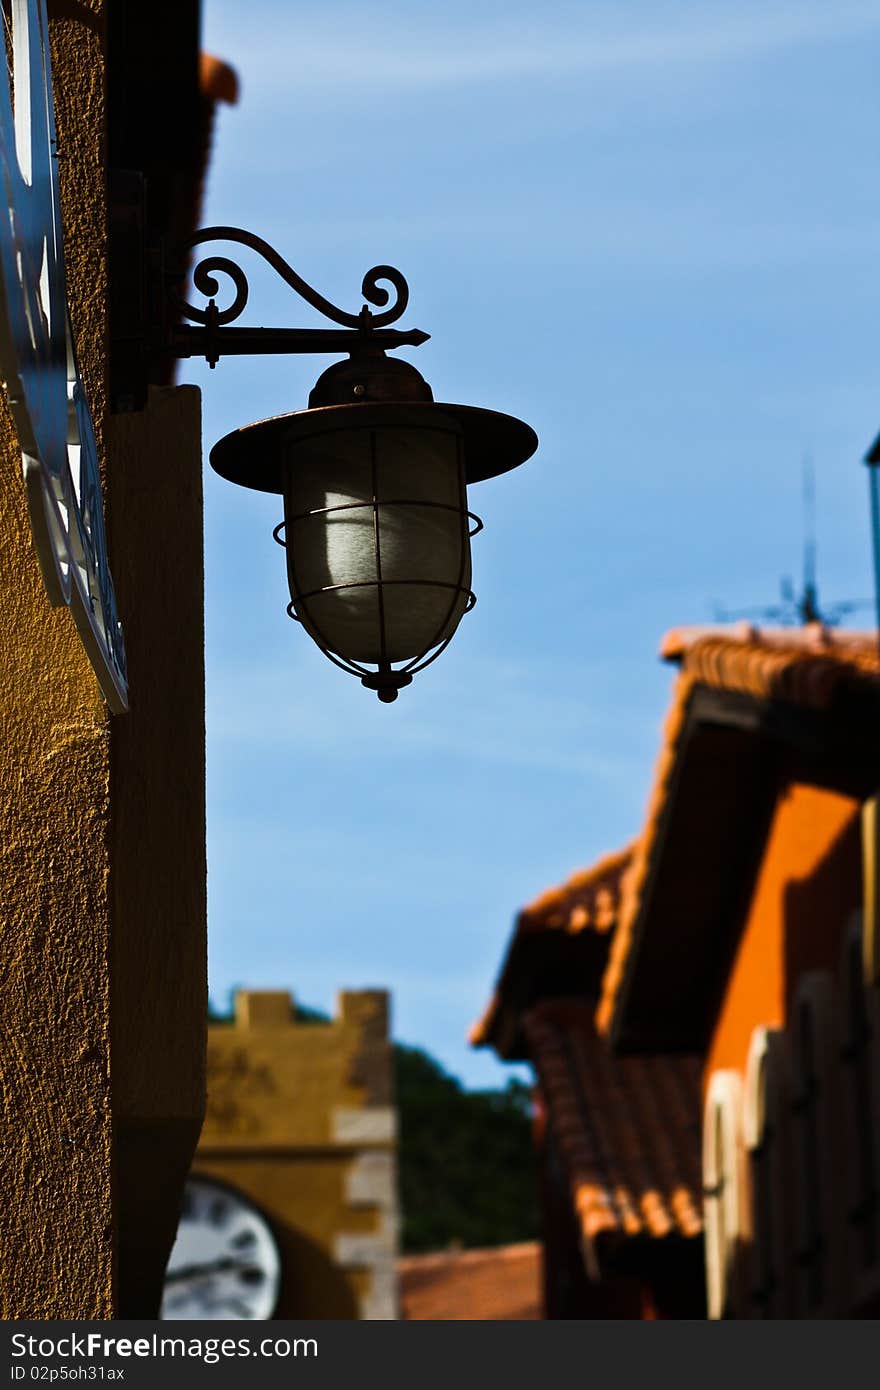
(217, 80)
(435, 1259)
(635, 882)
(611, 872)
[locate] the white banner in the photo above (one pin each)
(38, 361)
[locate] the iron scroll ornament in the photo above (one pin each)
(212, 338)
(385, 393)
(38, 361)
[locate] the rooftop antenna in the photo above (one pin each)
(800, 609)
(808, 604)
(872, 459)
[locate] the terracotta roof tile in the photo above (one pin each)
(806, 667)
(628, 1128)
(217, 80)
(589, 901)
(496, 1285)
(801, 666)
(479, 1033)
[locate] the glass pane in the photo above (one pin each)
(414, 539)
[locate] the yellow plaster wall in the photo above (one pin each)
(305, 1201)
(55, 1134)
(276, 1083)
(102, 871)
(279, 1092)
(56, 1215)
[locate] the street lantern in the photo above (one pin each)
(373, 474)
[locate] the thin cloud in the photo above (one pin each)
(347, 57)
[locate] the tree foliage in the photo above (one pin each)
(465, 1163)
(467, 1173)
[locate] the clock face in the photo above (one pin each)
(225, 1262)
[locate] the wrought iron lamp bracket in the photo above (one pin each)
(205, 331)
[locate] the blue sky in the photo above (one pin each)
(651, 230)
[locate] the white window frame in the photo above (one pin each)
(723, 1205)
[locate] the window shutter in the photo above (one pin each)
(767, 1135)
(819, 1264)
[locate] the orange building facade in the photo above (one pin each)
(740, 931)
(763, 959)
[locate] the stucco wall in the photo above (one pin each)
(808, 884)
(56, 1216)
(300, 1118)
(158, 1000)
(102, 873)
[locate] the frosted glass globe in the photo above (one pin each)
(378, 551)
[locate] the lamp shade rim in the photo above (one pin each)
(256, 456)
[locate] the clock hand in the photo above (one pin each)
(186, 1272)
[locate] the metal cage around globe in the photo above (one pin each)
(376, 526)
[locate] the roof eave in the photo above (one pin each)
(734, 753)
